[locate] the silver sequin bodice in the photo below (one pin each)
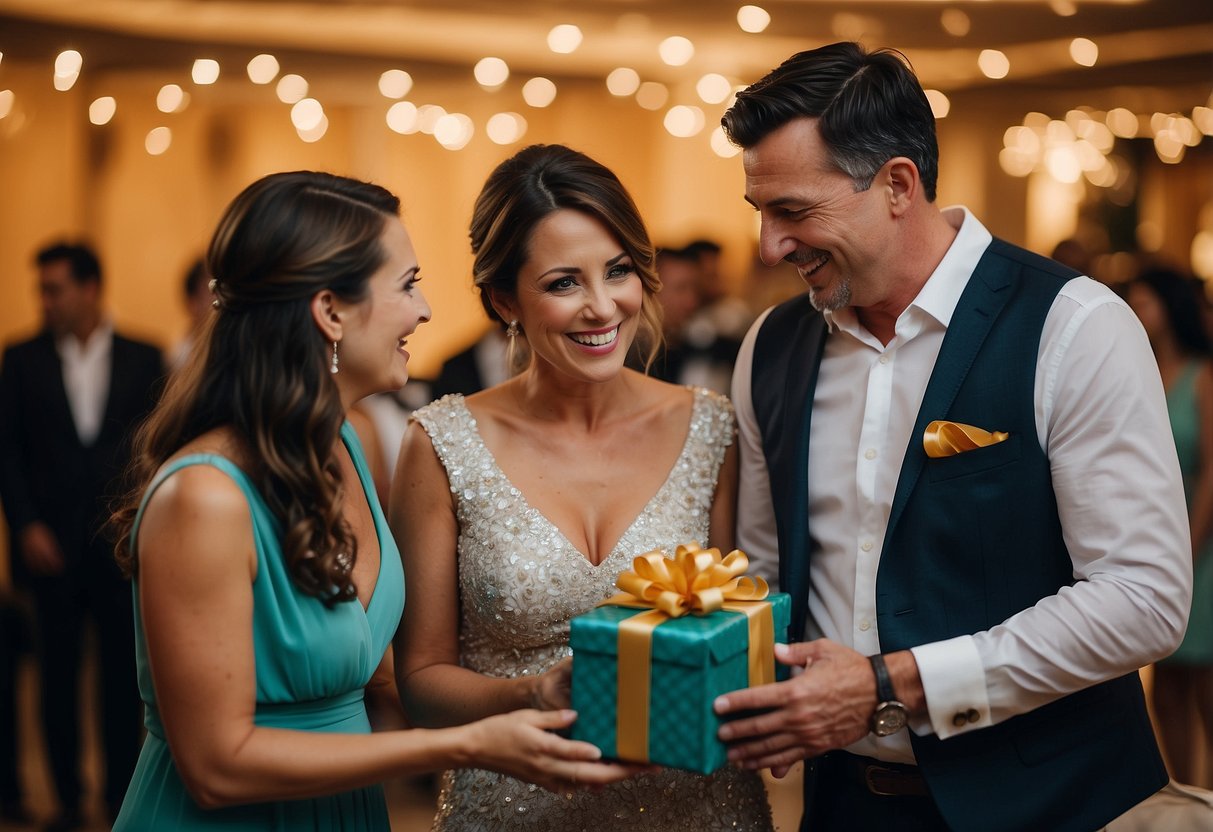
(520, 581)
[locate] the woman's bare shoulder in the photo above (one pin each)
(202, 491)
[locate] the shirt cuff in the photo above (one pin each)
(954, 682)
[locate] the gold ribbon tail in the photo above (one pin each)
(761, 651)
(633, 684)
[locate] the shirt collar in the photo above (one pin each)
(940, 294)
(70, 345)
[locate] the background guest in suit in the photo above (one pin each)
(69, 399)
(482, 365)
(14, 643)
(722, 310)
(679, 273)
(977, 612)
(694, 350)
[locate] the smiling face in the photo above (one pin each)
(578, 297)
(372, 355)
(839, 240)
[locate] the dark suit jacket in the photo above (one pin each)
(459, 374)
(46, 473)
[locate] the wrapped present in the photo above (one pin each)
(648, 664)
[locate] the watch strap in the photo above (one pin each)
(884, 682)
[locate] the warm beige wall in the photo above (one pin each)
(149, 215)
(42, 168)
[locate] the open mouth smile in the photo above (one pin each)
(808, 268)
(601, 338)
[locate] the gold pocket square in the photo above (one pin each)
(950, 438)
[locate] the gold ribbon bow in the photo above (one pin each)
(695, 581)
(950, 438)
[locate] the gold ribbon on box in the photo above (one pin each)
(697, 581)
(942, 438)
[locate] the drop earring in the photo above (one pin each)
(333, 366)
(511, 331)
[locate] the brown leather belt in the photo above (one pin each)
(881, 778)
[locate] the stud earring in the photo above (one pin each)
(512, 330)
(333, 366)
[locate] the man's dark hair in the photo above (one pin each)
(1181, 303)
(703, 246)
(686, 255)
(81, 259)
(869, 106)
(195, 276)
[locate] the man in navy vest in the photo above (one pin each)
(958, 455)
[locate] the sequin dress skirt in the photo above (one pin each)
(669, 800)
(521, 581)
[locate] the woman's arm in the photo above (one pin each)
(196, 566)
(383, 705)
(435, 689)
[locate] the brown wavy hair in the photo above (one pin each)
(530, 185)
(260, 367)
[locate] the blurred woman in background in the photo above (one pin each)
(1170, 309)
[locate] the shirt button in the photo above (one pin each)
(870, 453)
(972, 715)
(959, 720)
(884, 359)
(865, 625)
(867, 546)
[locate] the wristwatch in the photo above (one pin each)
(890, 715)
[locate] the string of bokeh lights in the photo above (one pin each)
(1079, 146)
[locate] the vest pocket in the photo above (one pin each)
(974, 461)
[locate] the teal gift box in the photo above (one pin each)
(694, 659)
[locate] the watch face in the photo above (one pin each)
(890, 717)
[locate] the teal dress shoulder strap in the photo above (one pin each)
(261, 512)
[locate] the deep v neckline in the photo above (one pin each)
(644, 510)
(364, 480)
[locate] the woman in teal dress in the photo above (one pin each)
(1170, 312)
(268, 588)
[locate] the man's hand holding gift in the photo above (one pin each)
(827, 704)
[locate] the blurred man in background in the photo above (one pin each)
(69, 400)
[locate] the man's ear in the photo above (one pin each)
(902, 182)
(326, 315)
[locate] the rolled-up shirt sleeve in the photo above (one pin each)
(1102, 419)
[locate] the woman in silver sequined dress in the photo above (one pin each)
(516, 508)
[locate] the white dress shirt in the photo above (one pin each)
(86, 378)
(1101, 418)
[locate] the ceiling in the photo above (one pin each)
(1161, 45)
